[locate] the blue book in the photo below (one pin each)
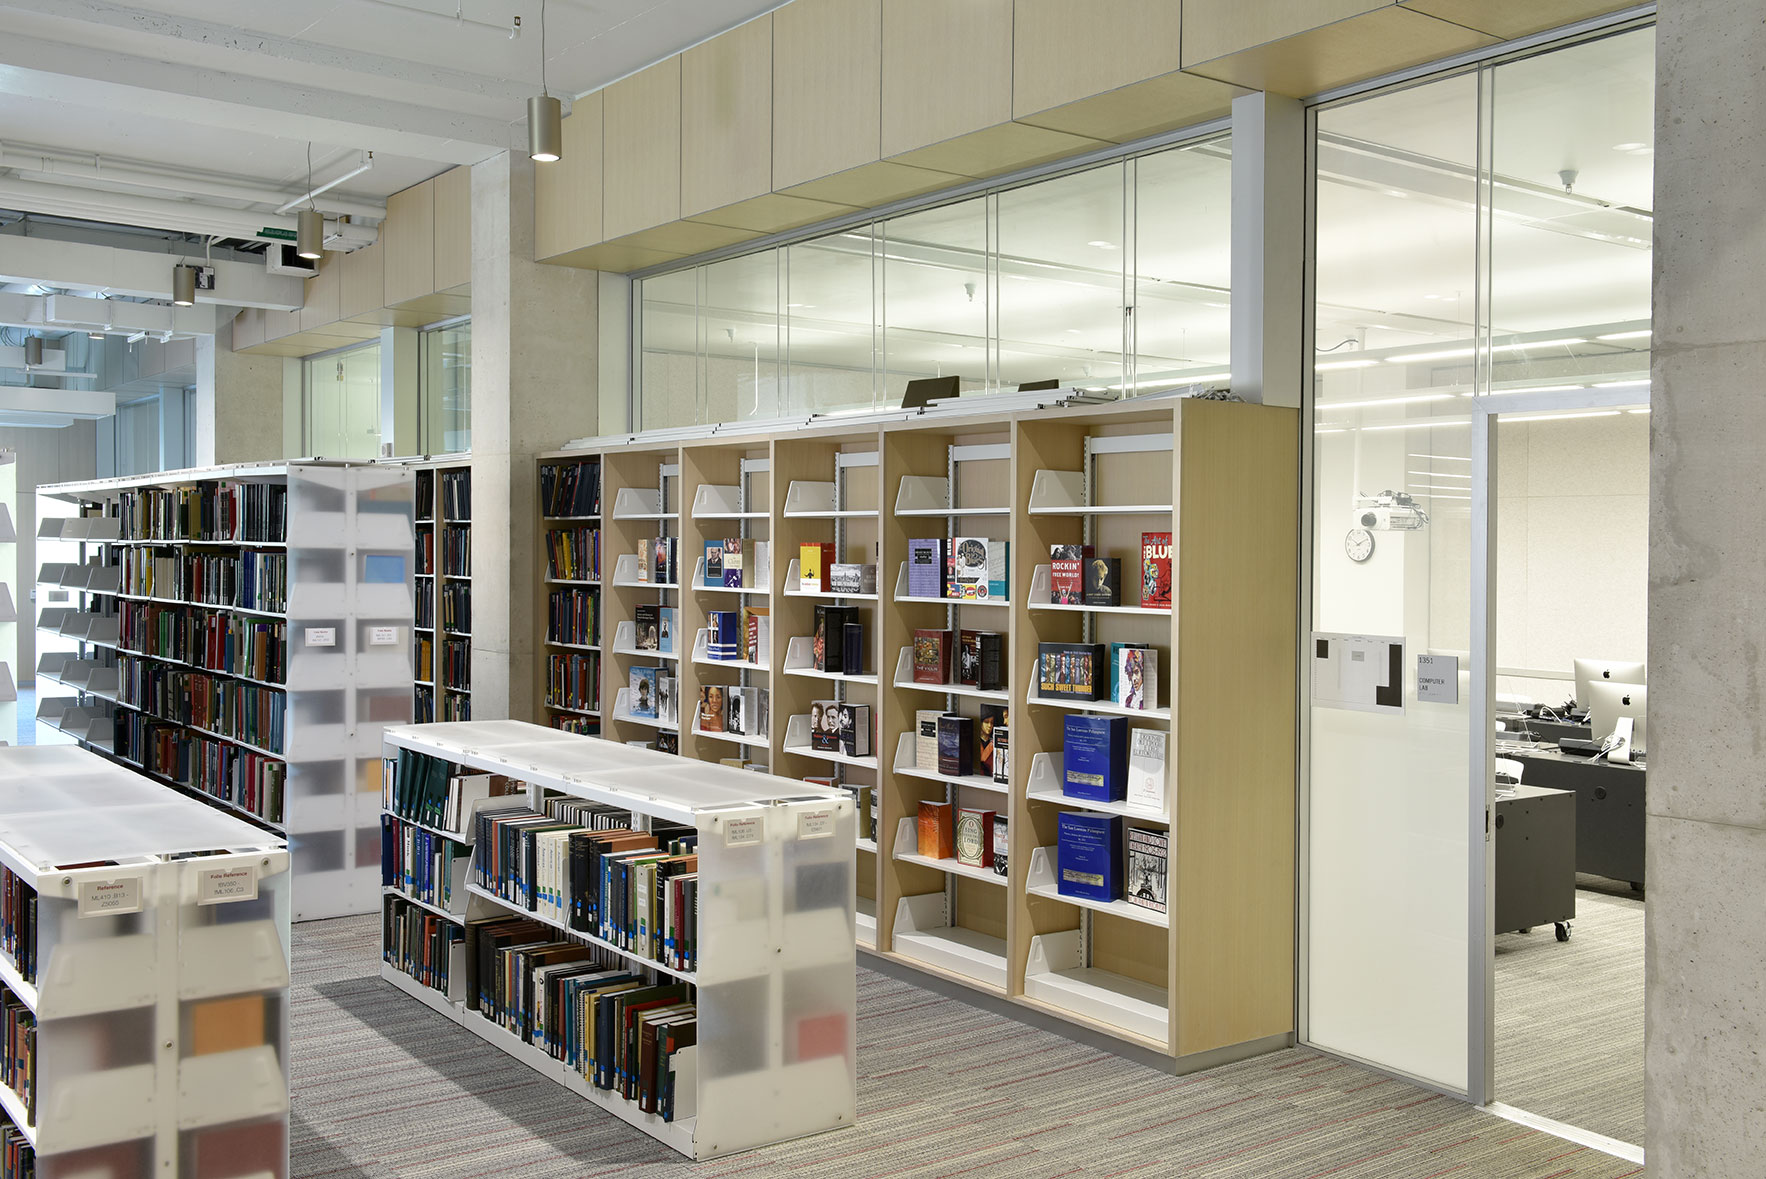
(714, 562)
(725, 639)
(1095, 755)
(1088, 855)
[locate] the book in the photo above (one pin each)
(926, 568)
(814, 561)
(1002, 755)
(648, 628)
(711, 708)
(978, 568)
(926, 739)
(999, 844)
(663, 558)
(937, 830)
(723, 637)
(855, 730)
(974, 838)
(853, 579)
(1095, 757)
(665, 629)
(932, 656)
(644, 560)
(992, 720)
(732, 562)
(1155, 568)
(736, 711)
(1137, 678)
(1146, 769)
(1067, 573)
(756, 629)
(668, 742)
(956, 745)
(1103, 581)
(1115, 661)
(1088, 856)
(667, 699)
(824, 726)
(969, 658)
(829, 647)
(852, 658)
(642, 700)
(1074, 671)
(1144, 869)
(714, 562)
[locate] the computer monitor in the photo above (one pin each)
(1596, 671)
(1608, 702)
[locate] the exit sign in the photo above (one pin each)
(285, 235)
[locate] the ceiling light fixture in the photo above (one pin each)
(1559, 417)
(1102, 244)
(545, 114)
(1621, 384)
(1331, 366)
(1525, 344)
(184, 284)
(309, 238)
(95, 335)
(1385, 401)
(1537, 389)
(1644, 334)
(1421, 357)
(33, 351)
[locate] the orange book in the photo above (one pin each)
(938, 836)
(224, 1025)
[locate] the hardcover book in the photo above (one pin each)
(724, 635)
(1088, 856)
(814, 560)
(969, 658)
(732, 562)
(714, 562)
(1155, 568)
(1067, 573)
(1144, 870)
(668, 700)
(1002, 755)
(756, 626)
(999, 845)
(1138, 675)
(978, 569)
(643, 692)
(855, 730)
(937, 830)
(932, 656)
(1103, 581)
(829, 646)
(852, 658)
(853, 579)
(926, 739)
(668, 743)
(1075, 671)
(1116, 650)
(649, 628)
(664, 561)
(1146, 769)
(824, 726)
(665, 630)
(974, 837)
(711, 708)
(736, 712)
(644, 560)
(990, 723)
(956, 745)
(926, 569)
(1095, 754)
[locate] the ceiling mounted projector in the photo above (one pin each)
(1389, 511)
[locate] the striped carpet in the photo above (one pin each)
(1569, 1015)
(385, 1087)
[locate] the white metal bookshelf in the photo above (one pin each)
(345, 647)
(768, 962)
(185, 926)
(9, 597)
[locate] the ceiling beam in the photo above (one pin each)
(137, 272)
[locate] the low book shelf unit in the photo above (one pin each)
(1196, 964)
(144, 975)
(713, 1011)
(242, 634)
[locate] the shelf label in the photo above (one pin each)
(99, 898)
(217, 886)
(383, 636)
(741, 832)
(815, 824)
(321, 636)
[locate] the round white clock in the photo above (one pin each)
(1359, 544)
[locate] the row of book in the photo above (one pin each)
(1103, 760)
(958, 746)
(456, 664)
(1099, 860)
(978, 657)
(425, 656)
(18, 924)
(1122, 673)
(422, 864)
(840, 726)
(252, 782)
(456, 607)
(423, 705)
(249, 581)
(819, 572)
(209, 639)
(653, 628)
(425, 552)
(653, 694)
(568, 722)
(424, 507)
(573, 616)
(423, 789)
(416, 942)
(573, 554)
(457, 551)
(18, 1158)
(1079, 577)
(18, 1038)
(733, 709)
(219, 512)
(456, 489)
(226, 707)
(837, 644)
(973, 836)
(734, 636)
(456, 706)
(570, 490)
(423, 618)
(736, 562)
(659, 560)
(573, 680)
(964, 568)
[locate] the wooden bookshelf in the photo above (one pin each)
(1213, 974)
(442, 687)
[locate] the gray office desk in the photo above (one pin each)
(1609, 808)
(1542, 730)
(1535, 860)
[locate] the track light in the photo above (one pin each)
(310, 234)
(95, 335)
(33, 351)
(183, 286)
(545, 114)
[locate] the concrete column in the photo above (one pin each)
(239, 404)
(534, 381)
(1269, 348)
(1706, 944)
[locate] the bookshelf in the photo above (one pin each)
(1212, 974)
(772, 980)
(242, 634)
(442, 579)
(156, 984)
(9, 599)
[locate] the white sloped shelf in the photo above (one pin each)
(800, 660)
(904, 678)
(797, 741)
(905, 764)
(907, 839)
(1039, 599)
(1062, 493)
(923, 932)
(1041, 881)
(1056, 975)
(1047, 775)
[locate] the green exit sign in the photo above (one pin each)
(284, 235)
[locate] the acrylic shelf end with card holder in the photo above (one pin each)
(904, 678)
(924, 934)
(637, 503)
(902, 595)
(906, 764)
(1048, 772)
(625, 575)
(794, 581)
(713, 501)
(1044, 873)
(800, 660)
(797, 741)
(1062, 493)
(1056, 976)
(625, 642)
(1039, 599)
(702, 654)
(926, 495)
(808, 500)
(1034, 696)
(907, 840)
(758, 575)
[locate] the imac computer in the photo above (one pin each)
(1607, 703)
(1596, 671)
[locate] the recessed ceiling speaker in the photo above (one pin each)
(545, 128)
(309, 237)
(184, 286)
(33, 351)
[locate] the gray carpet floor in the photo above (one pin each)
(1569, 1016)
(385, 1087)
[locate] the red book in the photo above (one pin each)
(1067, 573)
(1155, 568)
(931, 656)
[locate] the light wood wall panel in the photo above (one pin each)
(1066, 50)
(1515, 18)
(322, 292)
(826, 87)
(641, 183)
(362, 288)
(453, 228)
(409, 236)
(567, 192)
(1216, 28)
(727, 118)
(946, 70)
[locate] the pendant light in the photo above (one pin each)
(309, 237)
(183, 286)
(545, 114)
(33, 351)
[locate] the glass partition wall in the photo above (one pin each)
(1111, 277)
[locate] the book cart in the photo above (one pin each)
(1209, 977)
(774, 982)
(291, 626)
(442, 580)
(144, 975)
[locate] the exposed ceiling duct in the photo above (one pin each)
(184, 216)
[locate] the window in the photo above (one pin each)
(444, 414)
(340, 416)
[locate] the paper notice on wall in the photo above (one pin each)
(1360, 672)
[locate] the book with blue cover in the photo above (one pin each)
(723, 640)
(643, 698)
(926, 568)
(1095, 756)
(1088, 856)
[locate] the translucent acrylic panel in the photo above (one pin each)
(668, 387)
(1388, 897)
(935, 293)
(831, 324)
(1182, 264)
(446, 403)
(739, 334)
(1572, 136)
(1061, 280)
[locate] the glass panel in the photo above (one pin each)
(137, 436)
(830, 318)
(668, 384)
(1183, 265)
(739, 339)
(342, 418)
(446, 403)
(935, 292)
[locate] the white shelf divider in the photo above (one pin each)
(1062, 493)
(797, 741)
(625, 642)
(1047, 775)
(902, 595)
(794, 580)
(923, 932)
(905, 763)
(635, 503)
(1039, 599)
(1056, 974)
(622, 711)
(904, 678)
(753, 581)
(800, 660)
(929, 495)
(1035, 696)
(907, 837)
(702, 654)
(719, 501)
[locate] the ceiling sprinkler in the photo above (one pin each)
(1568, 176)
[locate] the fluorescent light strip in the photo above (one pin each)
(1452, 458)
(1559, 417)
(1532, 389)
(1323, 405)
(1622, 384)
(1566, 341)
(1419, 423)
(1638, 335)
(1426, 488)
(1426, 495)
(1637, 411)
(1421, 357)
(1331, 366)
(1439, 474)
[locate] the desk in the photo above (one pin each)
(1535, 860)
(1542, 730)
(1609, 808)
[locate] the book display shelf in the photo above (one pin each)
(242, 634)
(144, 976)
(9, 598)
(740, 994)
(443, 580)
(570, 494)
(1196, 964)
